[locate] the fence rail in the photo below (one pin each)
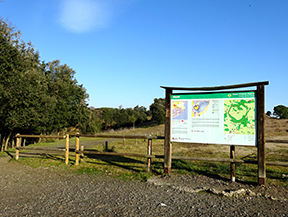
(40, 136)
(230, 160)
(122, 136)
(276, 141)
(41, 149)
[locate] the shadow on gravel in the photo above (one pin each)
(184, 167)
(54, 157)
(37, 155)
(131, 168)
(116, 161)
(9, 154)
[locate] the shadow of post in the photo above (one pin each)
(115, 160)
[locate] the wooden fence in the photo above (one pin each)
(80, 152)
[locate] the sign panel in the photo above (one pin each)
(216, 118)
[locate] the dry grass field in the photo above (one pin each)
(276, 128)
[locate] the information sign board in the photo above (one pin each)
(218, 118)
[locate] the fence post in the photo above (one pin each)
(124, 143)
(81, 153)
(167, 143)
(149, 152)
(260, 136)
(106, 146)
(77, 150)
(232, 165)
(67, 150)
(17, 146)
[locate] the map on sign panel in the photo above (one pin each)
(239, 116)
(199, 107)
(179, 110)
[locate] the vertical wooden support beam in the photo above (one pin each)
(106, 146)
(17, 146)
(232, 165)
(77, 150)
(124, 143)
(67, 150)
(149, 152)
(167, 143)
(260, 136)
(81, 153)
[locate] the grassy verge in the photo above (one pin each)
(135, 168)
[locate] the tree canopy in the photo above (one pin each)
(120, 117)
(158, 110)
(37, 97)
(281, 112)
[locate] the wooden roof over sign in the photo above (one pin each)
(220, 87)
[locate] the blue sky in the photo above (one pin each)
(124, 50)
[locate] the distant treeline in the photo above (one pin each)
(45, 98)
(119, 117)
(280, 112)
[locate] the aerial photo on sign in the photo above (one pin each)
(216, 118)
(239, 117)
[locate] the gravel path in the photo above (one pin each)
(27, 191)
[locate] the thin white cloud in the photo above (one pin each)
(85, 15)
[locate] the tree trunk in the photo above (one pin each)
(40, 139)
(2, 147)
(6, 142)
(1, 143)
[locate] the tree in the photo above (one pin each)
(121, 118)
(71, 107)
(23, 89)
(92, 124)
(281, 112)
(132, 119)
(106, 115)
(140, 114)
(36, 97)
(158, 110)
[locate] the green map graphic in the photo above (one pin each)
(239, 116)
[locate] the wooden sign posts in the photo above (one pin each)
(260, 135)
(167, 142)
(260, 125)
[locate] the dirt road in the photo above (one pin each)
(27, 191)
